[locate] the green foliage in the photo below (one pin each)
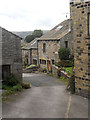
(65, 63)
(35, 34)
(71, 84)
(29, 38)
(11, 80)
(17, 88)
(64, 53)
(11, 90)
(25, 85)
(68, 70)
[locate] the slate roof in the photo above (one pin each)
(32, 44)
(11, 32)
(58, 31)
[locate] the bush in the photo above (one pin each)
(17, 88)
(64, 53)
(71, 84)
(59, 73)
(25, 85)
(11, 80)
(65, 63)
(44, 70)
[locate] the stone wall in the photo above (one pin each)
(54, 70)
(52, 47)
(0, 53)
(79, 15)
(11, 52)
(69, 38)
(25, 56)
(34, 54)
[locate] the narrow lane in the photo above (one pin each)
(39, 80)
(46, 99)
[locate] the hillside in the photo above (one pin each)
(23, 34)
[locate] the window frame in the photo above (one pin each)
(88, 24)
(66, 44)
(44, 47)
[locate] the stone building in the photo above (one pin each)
(49, 44)
(80, 15)
(10, 54)
(29, 53)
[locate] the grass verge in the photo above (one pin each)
(9, 90)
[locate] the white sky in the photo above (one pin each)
(26, 15)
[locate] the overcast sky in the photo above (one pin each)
(26, 15)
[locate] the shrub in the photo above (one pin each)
(25, 85)
(65, 63)
(11, 80)
(59, 73)
(71, 84)
(64, 53)
(17, 88)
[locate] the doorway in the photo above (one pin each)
(6, 70)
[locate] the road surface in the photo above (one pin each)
(46, 99)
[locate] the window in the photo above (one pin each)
(53, 62)
(44, 47)
(89, 24)
(44, 62)
(40, 61)
(34, 62)
(66, 44)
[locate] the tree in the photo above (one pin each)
(37, 33)
(29, 38)
(64, 53)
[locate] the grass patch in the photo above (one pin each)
(68, 70)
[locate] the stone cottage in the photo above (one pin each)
(80, 15)
(10, 54)
(29, 53)
(49, 44)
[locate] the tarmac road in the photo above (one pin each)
(46, 99)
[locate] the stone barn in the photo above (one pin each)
(10, 54)
(80, 15)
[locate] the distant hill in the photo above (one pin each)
(23, 34)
